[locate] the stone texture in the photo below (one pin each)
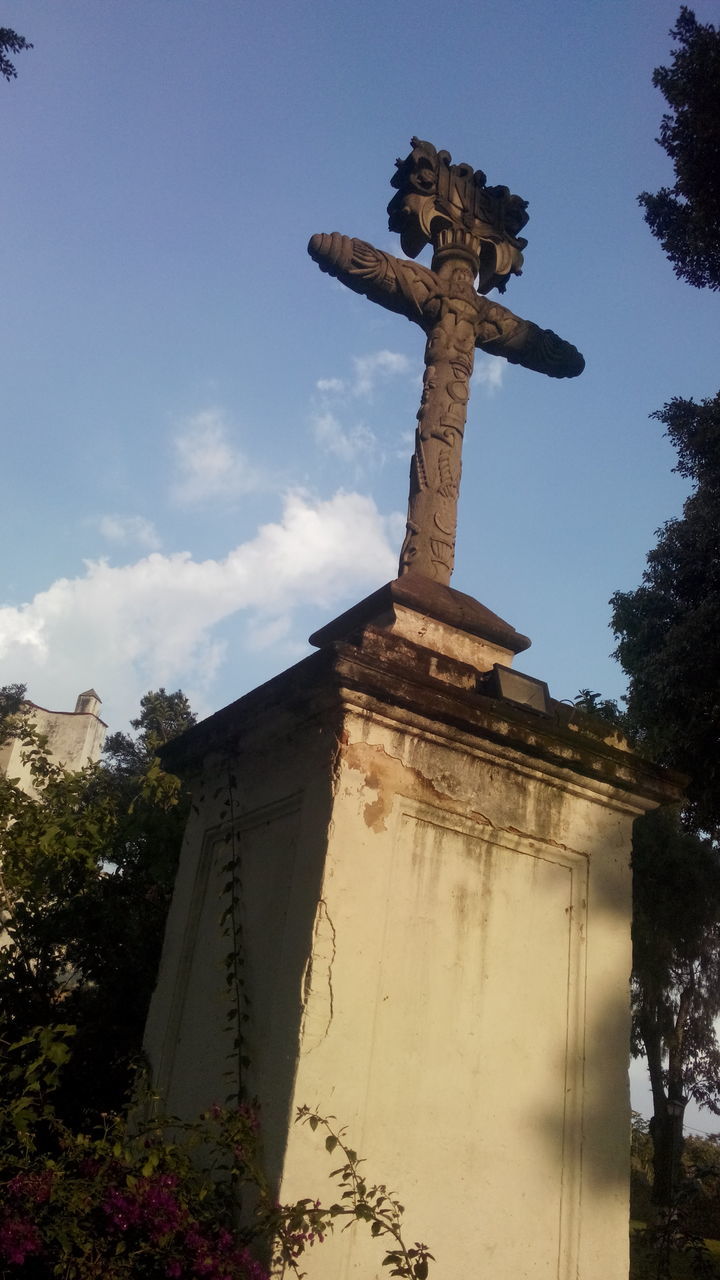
(436, 904)
(473, 230)
(434, 883)
(434, 616)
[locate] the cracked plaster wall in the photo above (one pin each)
(437, 953)
(476, 1043)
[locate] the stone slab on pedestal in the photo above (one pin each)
(435, 926)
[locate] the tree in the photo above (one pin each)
(676, 967)
(12, 697)
(604, 708)
(666, 632)
(163, 716)
(85, 1191)
(87, 874)
(10, 42)
(685, 218)
(129, 1199)
(667, 628)
(675, 980)
(667, 645)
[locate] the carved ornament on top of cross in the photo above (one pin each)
(473, 230)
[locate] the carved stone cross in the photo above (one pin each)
(473, 229)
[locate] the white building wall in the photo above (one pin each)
(74, 738)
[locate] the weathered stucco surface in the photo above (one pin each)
(435, 919)
(74, 739)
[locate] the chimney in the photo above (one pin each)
(88, 703)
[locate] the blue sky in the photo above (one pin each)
(206, 440)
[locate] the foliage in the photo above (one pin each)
(685, 218)
(666, 632)
(131, 1200)
(676, 979)
(593, 704)
(674, 1244)
(10, 42)
(369, 1203)
(676, 968)
(12, 697)
(120, 1201)
(87, 872)
(701, 1161)
(640, 1145)
(667, 629)
(667, 645)
(163, 716)
(667, 1251)
(86, 1192)
(676, 949)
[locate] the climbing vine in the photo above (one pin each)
(146, 1196)
(231, 925)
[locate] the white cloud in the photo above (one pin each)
(352, 444)
(130, 529)
(381, 364)
(209, 466)
(153, 622)
(489, 373)
(367, 371)
(330, 386)
(356, 442)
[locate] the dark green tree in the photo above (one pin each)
(685, 218)
(676, 968)
(593, 704)
(163, 716)
(667, 629)
(12, 697)
(10, 42)
(675, 980)
(87, 873)
(667, 645)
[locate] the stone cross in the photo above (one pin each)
(473, 229)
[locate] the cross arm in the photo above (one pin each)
(398, 285)
(522, 342)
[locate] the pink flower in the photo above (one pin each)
(121, 1209)
(18, 1239)
(253, 1270)
(34, 1186)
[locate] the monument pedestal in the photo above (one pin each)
(433, 906)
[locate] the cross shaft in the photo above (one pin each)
(473, 230)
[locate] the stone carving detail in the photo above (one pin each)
(473, 229)
(449, 205)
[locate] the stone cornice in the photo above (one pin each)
(401, 681)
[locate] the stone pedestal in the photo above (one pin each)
(434, 903)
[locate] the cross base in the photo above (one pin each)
(432, 615)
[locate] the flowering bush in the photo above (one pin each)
(87, 867)
(127, 1200)
(155, 1199)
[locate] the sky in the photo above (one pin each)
(207, 441)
